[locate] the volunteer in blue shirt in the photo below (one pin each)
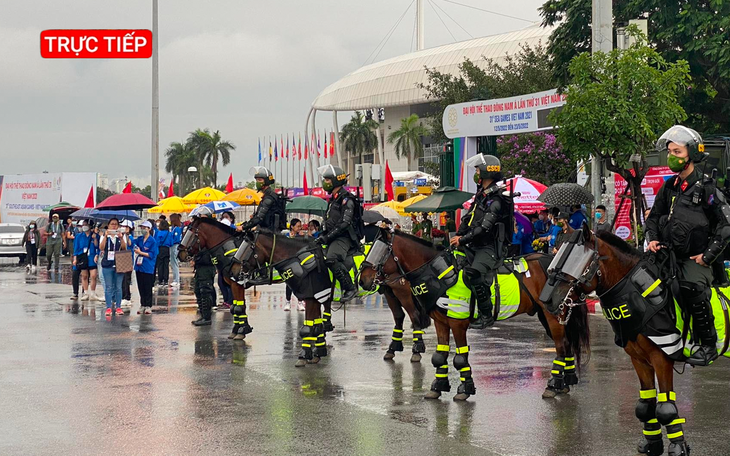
(555, 230)
(84, 262)
(145, 256)
(176, 230)
(163, 236)
(127, 229)
(577, 218)
(111, 242)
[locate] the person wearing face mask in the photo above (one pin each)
(692, 218)
(270, 213)
(54, 242)
(486, 229)
(542, 224)
(84, 259)
(127, 230)
(295, 231)
(110, 243)
(31, 239)
(555, 229)
(145, 253)
(69, 236)
(601, 219)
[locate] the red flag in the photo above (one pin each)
(325, 145)
(306, 190)
(300, 146)
(172, 191)
(287, 147)
(90, 199)
(128, 188)
(332, 144)
(389, 182)
(229, 185)
(306, 149)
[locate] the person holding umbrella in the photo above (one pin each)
(486, 229)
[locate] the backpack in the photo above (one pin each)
(277, 211)
(357, 221)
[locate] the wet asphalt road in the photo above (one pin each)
(75, 382)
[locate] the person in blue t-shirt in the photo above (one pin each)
(555, 229)
(163, 236)
(176, 230)
(542, 224)
(145, 256)
(84, 261)
(577, 218)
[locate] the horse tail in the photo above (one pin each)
(577, 334)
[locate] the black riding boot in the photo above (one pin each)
(206, 313)
(704, 335)
(343, 276)
(484, 304)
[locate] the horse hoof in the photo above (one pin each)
(461, 397)
(313, 361)
(416, 358)
(549, 394)
(239, 337)
(432, 395)
(231, 336)
(301, 363)
(389, 356)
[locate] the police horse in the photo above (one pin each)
(647, 323)
(398, 260)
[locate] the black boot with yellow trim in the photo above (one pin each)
(320, 345)
(668, 416)
(651, 444)
(461, 363)
(556, 385)
(440, 361)
(309, 339)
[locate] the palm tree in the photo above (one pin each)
(408, 139)
(180, 156)
(358, 136)
(208, 147)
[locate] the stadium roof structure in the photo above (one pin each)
(394, 82)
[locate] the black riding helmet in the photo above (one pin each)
(488, 167)
(261, 172)
(335, 173)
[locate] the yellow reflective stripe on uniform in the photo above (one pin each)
(460, 350)
(457, 252)
(651, 288)
(230, 251)
(449, 269)
(559, 363)
(442, 348)
(675, 435)
(471, 219)
(657, 432)
(647, 394)
(398, 331)
(677, 421)
(307, 259)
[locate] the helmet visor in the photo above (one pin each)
(261, 170)
(327, 171)
(477, 160)
(678, 134)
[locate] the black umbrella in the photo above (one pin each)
(565, 195)
(372, 217)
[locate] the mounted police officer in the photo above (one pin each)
(342, 227)
(483, 230)
(693, 219)
(267, 214)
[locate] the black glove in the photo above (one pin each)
(322, 239)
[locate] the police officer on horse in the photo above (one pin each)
(483, 230)
(267, 212)
(342, 227)
(693, 219)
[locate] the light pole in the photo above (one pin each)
(155, 108)
(192, 170)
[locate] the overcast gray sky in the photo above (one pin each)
(247, 68)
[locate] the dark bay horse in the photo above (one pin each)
(613, 260)
(408, 253)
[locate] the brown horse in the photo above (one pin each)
(606, 261)
(406, 253)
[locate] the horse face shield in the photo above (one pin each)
(378, 254)
(574, 265)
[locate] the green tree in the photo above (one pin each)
(526, 72)
(358, 136)
(696, 31)
(180, 157)
(209, 147)
(617, 105)
(408, 139)
(147, 191)
(103, 193)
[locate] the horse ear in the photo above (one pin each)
(587, 233)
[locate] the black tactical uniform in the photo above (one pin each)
(693, 218)
(483, 230)
(204, 290)
(341, 230)
(266, 213)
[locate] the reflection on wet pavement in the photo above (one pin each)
(154, 384)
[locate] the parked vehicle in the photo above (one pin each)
(11, 241)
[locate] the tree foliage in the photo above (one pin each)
(526, 72)
(695, 31)
(408, 139)
(538, 156)
(358, 136)
(103, 193)
(617, 105)
(208, 147)
(203, 150)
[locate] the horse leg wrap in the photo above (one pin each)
(419, 346)
(328, 326)
(320, 345)
(396, 343)
(651, 443)
(309, 338)
(240, 319)
(557, 381)
(570, 377)
(440, 361)
(668, 415)
(461, 363)
(666, 409)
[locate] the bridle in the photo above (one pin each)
(381, 277)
